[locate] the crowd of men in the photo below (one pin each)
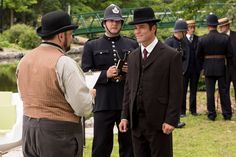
(142, 87)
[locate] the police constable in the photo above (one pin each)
(224, 27)
(176, 41)
(213, 50)
(104, 54)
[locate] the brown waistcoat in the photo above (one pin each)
(40, 91)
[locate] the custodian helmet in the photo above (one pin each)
(180, 26)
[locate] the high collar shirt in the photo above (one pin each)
(150, 47)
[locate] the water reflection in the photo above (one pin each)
(7, 76)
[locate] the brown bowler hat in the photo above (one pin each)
(191, 22)
(224, 21)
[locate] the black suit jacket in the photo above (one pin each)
(162, 86)
(192, 48)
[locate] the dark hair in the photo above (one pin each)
(151, 24)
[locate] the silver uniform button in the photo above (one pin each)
(113, 46)
(115, 59)
(100, 52)
(113, 42)
(114, 55)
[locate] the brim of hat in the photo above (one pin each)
(143, 21)
(114, 18)
(179, 30)
(49, 33)
(212, 24)
(224, 24)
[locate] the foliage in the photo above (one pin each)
(6, 44)
(19, 6)
(22, 35)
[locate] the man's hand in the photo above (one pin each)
(93, 92)
(167, 128)
(123, 126)
(112, 71)
(125, 67)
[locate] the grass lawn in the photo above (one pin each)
(199, 138)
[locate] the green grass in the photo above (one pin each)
(200, 138)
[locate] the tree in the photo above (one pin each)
(18, 6)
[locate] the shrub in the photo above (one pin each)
(29, 39)
(22, 35)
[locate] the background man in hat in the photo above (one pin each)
(224, 27)
(193, 68)
(177, 42)
(153, 89)
(213, 49)
(104, 54)
(54, 93)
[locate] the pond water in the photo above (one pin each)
(7, 75)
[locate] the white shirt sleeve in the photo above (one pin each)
(72, 82)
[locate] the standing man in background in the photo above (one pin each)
(54, 93)
(177, 42)
(153, 89)
(191, 76)
(108, 54)
(213, 50)
(224, 27)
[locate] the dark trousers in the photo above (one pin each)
(191, 78)
(224, 96)
(148, 142)
(50, 138)
(231, 77)
(104, 122)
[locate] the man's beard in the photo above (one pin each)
(65, 46)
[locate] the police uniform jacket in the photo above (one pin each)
(212, 44)
(100, 54)
(182, 47)
(232, 61)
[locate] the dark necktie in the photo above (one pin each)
(191, 38)
(145, 52)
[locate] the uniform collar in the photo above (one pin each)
(111, 38)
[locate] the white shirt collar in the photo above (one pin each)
(150, 47)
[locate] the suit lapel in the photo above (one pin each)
(156, 52)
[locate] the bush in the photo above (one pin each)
(29, 39)
(22, 35)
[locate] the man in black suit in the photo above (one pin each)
(104, 54)
(224, 27)
(213, 50)
(193, 68)
(153, 90)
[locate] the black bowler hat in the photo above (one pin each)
(144, 15)
(55, 22)
(212, 20)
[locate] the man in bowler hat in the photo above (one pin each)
(54, 93)
(153, 90)
(213, 50)
(224, 27)
(109, 55)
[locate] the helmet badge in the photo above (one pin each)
(115, 10)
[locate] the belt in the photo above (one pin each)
(214, 56)
(118, 78)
